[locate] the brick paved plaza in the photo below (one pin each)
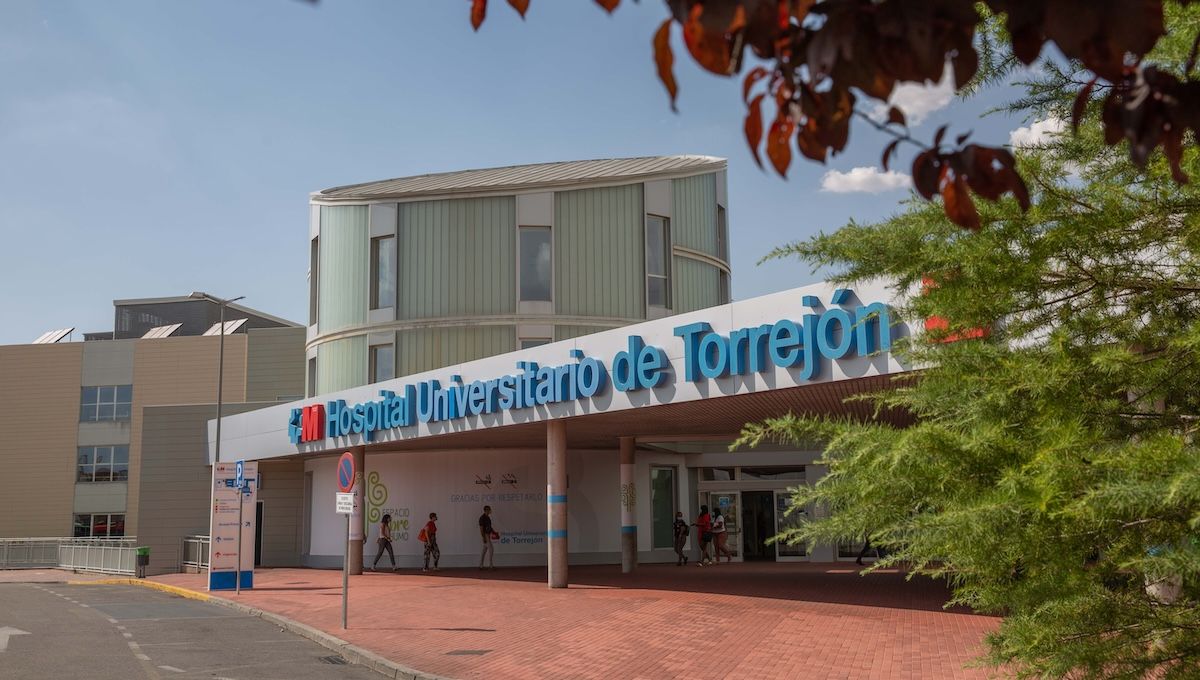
(732, 621)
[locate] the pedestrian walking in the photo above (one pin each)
(385, 542)
(720, 533)
(428, 536)
(487, 534)
(703, 526)
(682, 530)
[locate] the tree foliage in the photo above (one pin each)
(817, 58)
(1053, 473)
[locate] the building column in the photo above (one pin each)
(628, 496)
(556, 504)
(360, 503)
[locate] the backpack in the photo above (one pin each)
(422, 536)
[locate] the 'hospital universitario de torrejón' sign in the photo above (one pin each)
(831, 332)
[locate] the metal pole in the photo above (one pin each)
(237, 579)
(220, 380)
(346, 573)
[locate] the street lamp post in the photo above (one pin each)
(222, 303)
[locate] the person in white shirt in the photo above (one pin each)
(720, 533)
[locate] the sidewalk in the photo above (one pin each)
(47, 575)
(731, 621)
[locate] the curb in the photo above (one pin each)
(352, 653)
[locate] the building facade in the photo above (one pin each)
(109, 436)
(414, 273)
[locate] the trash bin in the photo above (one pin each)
(143, 560)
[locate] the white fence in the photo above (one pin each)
(194, 552)
(104, 555)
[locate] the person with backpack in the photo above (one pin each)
(681, 530)
(428, 536)
(487, 534)
(385, 542)
(703, 526)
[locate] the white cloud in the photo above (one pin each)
(1037, 134)
(870, 180)
(918, 101)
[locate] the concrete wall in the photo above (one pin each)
(174, 487)
(274, 364)
(179, 371)
(39, 416)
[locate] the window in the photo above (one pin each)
(535, 265)
(716, 474)
(658, 261)
(314, 269)
(99, 525)
(662, 506)
(103, 464)
(111, 402)
(383, 362)
(724, 292)
(790, 474)
(722, 235)
(383, 272)
(530, 343)
(312, 376)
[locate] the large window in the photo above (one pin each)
(530, 343)
(312, 376)
(536, 264)
(383, 362)
(112, 402)
(722, 234)
(662, 506)
(103, 464)
(314, 272)
(99, 525)
(658, 261)
(724, 292)
(383, 272)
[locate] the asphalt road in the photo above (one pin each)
(128, 633)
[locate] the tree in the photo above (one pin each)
(1053, 472)
(818, 57)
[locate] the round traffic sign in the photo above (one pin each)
(345, 472)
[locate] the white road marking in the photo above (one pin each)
(143, 657)
(85, 606)
(112, 620)
(7, 632)
(128, 635)
(172, 669)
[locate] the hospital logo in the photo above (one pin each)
(307, 424)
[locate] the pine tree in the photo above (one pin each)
(1052, 475)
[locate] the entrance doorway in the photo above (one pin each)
(758, 509)
(258, 533)
(765, 515)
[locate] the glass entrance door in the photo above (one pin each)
(785, 552)
(730, 505)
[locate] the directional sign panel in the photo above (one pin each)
(223, 528)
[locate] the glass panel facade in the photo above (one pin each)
(536, 264)
(383, 272)
(99, 525)
(662, 506)
(790, 474)
(529, 343)
(111, 402)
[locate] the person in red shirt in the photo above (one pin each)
(703, 526)
(431, 546)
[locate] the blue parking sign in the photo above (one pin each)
(239, 473)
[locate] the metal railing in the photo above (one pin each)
(194, 552)
(104, 555)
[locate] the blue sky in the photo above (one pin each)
(154, 148)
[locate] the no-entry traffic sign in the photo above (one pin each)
(345, 472)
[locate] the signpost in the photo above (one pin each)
(345, 506)
(232, 525)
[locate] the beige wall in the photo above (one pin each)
(178, 371)
(275, 364)
(39, 416)
(282, 496)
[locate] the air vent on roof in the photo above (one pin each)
(51, 337)
(230, 327)
(162, 331)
